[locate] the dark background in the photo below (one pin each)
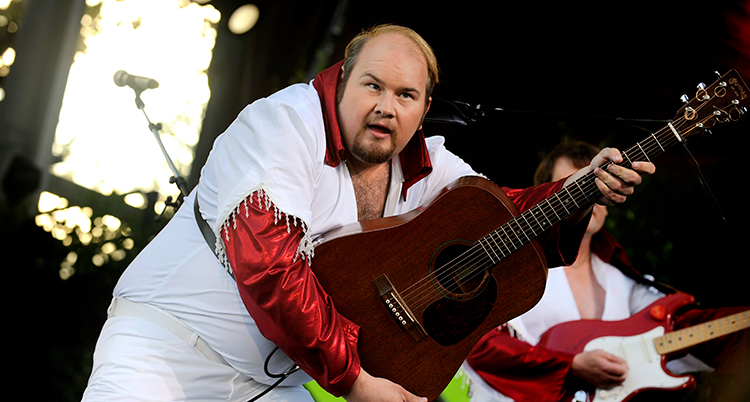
(605, 72)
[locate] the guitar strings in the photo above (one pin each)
(585, 184)
(480, 258)
(473, 254)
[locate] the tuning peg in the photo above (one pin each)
(701, 86)
(718, 74)
(684, 98)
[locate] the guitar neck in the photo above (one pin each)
(687, 337)
(581, 193)
(723, 101)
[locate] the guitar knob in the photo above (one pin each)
(701, 86)
(658, 312)
(684, 98)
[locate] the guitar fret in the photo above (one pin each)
(514, 234)
(546, 220)
(642, 151)
(571, 197)
(527, 223)
(487, 252)
(519, 228)
(496, 249)
(497, 246)
(553, 209)
(680, 340)
(704, 332)
(690, 336)
(582, 192)
(625, 155)
(732, 324)
(561, 203)
(697, 334)
(507, 237)
(540, 224)
(658, 143)
(710, 331)
(504, 242)
(670, 342)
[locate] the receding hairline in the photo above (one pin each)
(355, 46)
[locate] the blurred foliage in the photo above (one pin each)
(67, 297)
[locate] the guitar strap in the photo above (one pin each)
(206, 231)
(609, 249)
(647, 280)
(210, 238)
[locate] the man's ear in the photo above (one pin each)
(426, 109)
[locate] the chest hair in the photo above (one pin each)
(370, 191)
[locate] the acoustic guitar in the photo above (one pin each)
(426, 285)
(644, 340)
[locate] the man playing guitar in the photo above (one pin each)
(507, 364)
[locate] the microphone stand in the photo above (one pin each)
(176, 178)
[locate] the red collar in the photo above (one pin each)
(604, 245)
(414, 158)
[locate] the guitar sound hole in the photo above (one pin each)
(456, 275)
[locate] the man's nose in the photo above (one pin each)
(385, 106)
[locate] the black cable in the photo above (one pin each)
(281, 377)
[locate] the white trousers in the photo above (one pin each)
(138, 360)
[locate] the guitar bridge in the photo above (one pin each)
(397, 308)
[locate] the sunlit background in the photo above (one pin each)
(103, 141)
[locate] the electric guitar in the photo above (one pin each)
(644, 341)
(426, 285)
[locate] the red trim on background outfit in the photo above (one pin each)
(518, 370)
(529, 373)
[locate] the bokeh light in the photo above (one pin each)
(243, 19)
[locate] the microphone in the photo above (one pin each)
(139, 84)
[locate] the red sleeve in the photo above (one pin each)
(286, 301)
(518, 370)
(561, 242)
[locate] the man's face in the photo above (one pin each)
(383, 103)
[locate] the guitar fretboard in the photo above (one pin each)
(528, 225)
(723, 101)
(687, 337)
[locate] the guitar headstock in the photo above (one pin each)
(723, 101)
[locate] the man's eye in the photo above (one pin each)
(374, 86)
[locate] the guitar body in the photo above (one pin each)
(406, 255)
(631, 339)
